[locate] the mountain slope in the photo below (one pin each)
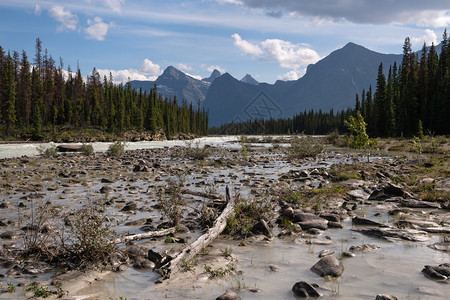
(249, 79)
(330, 83)
(174, 83)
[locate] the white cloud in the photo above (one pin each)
(148, 71)
(97, 29)
(292, 75)
(67, 19)
(429, 37)
(289, 56)
(150, 68)
(184, 67)
(37, 9)
(429, 18)
(114, 5)
(216, 67)
(123, 76)
(246, 47)
(237, 2)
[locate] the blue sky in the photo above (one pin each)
(269, 39)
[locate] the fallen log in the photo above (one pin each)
(193, 249)
(146, 235)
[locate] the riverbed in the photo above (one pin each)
(265, 267)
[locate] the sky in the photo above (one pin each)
(268, 39)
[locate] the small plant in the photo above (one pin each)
(188, 264)
(169, 240)
(10, 287)
(116, 149)
(243, 150)
(220, 271)
(196, 152)
(87, 149)
(171, 202)
(39, 290)
(416, 143)
(47, 151)
(359, 138)
(227, 252)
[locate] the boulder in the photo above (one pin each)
(321, 224)
(388, 191)
(441, 272)
(364, 221)
(364, 248)
(262, 228)
(328, 266)
(300, 216)
(393, 234)
(305, 290)
(229, 295)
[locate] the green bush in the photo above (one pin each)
(87, 149)
(116, 149)
(47, 151)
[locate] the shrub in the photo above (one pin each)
(171, 202)
(304, 147)
(116, 149)
(87, 149)
(197, 152)
(47, 151)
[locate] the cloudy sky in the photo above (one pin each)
(269, 39)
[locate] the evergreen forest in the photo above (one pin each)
(38, 97)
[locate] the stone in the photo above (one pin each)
(331, 217)
(262, 228)
(318, 224)
(130, 206)
(364, 248)
(300, 216)
(364, 221)
(304, 289)
(358, 194)
(393, 234)
(388, 191)
(229, 295)
(324, 253)
(385, 297)
(332, 224)
(441, 272)
(142, 263)
(328, 266)
(106, 189)
(8, 235)
(442, 246)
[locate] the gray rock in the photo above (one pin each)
(364, 221)
(318, 224)
(437, 272)
(325, 252)
(300, 216)
(358, 194)
(392, 234)
(8, 235)
(328, 266)
(442, 246)
(388, 191)
(304, 289)
(262, 228)
(364, 248)
(229, 295)
(331, 217)
(385, 297)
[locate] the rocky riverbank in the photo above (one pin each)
(307, 201)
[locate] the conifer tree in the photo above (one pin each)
(8, 94)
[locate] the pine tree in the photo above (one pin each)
(8, 94)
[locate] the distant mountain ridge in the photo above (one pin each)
(331, 83)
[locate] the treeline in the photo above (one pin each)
(39, 96)
(414, 97)
(306, 122)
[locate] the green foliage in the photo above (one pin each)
(39, 290)
(227, 252)
(416, 143)
(247, 213)
(188, 264)
(220, 271)
(243, 150)
(10, 287)
(358, 138)
(116, 149)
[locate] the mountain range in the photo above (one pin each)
(331, 83)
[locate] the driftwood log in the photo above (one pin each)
(193, 249)
(146, 235)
